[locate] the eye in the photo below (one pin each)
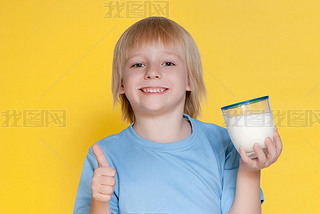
(137, 65)
(168, 64)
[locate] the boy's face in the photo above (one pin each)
(155, 80)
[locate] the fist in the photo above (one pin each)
(103, 179)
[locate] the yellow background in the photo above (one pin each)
(58, 54)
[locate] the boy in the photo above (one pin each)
(166, 161)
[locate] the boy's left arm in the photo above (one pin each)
(247, 197)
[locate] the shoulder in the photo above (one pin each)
(113, 144)
(212, 130)
(217, 136)
(221, 142)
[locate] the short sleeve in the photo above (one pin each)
(229, 179)
(83, 198)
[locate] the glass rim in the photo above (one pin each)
(244, 102)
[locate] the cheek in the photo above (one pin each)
(125, 78)
(129, 81)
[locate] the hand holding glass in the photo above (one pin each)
(249, 122)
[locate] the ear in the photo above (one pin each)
(121, 88)
(188, 86)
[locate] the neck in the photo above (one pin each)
(167, 128)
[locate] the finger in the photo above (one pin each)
(104, 198)
(272, 153)
(109, 181)
(260, 154)
(105, 190)
(105, 172)
(101, 197)
(102, 161)
(244, 157)
(278, 142)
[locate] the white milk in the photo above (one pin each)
(246, 130)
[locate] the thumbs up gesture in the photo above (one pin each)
(103, 179)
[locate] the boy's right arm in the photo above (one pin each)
(102, 184)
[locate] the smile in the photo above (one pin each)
(153, 90)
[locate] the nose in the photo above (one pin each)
(152, 73)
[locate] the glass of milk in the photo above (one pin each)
(249, 122)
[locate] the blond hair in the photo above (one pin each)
(159, 30)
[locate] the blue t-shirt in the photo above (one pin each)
(194, 175)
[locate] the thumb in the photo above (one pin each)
(97, 151)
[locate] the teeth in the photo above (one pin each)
(152, 90)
